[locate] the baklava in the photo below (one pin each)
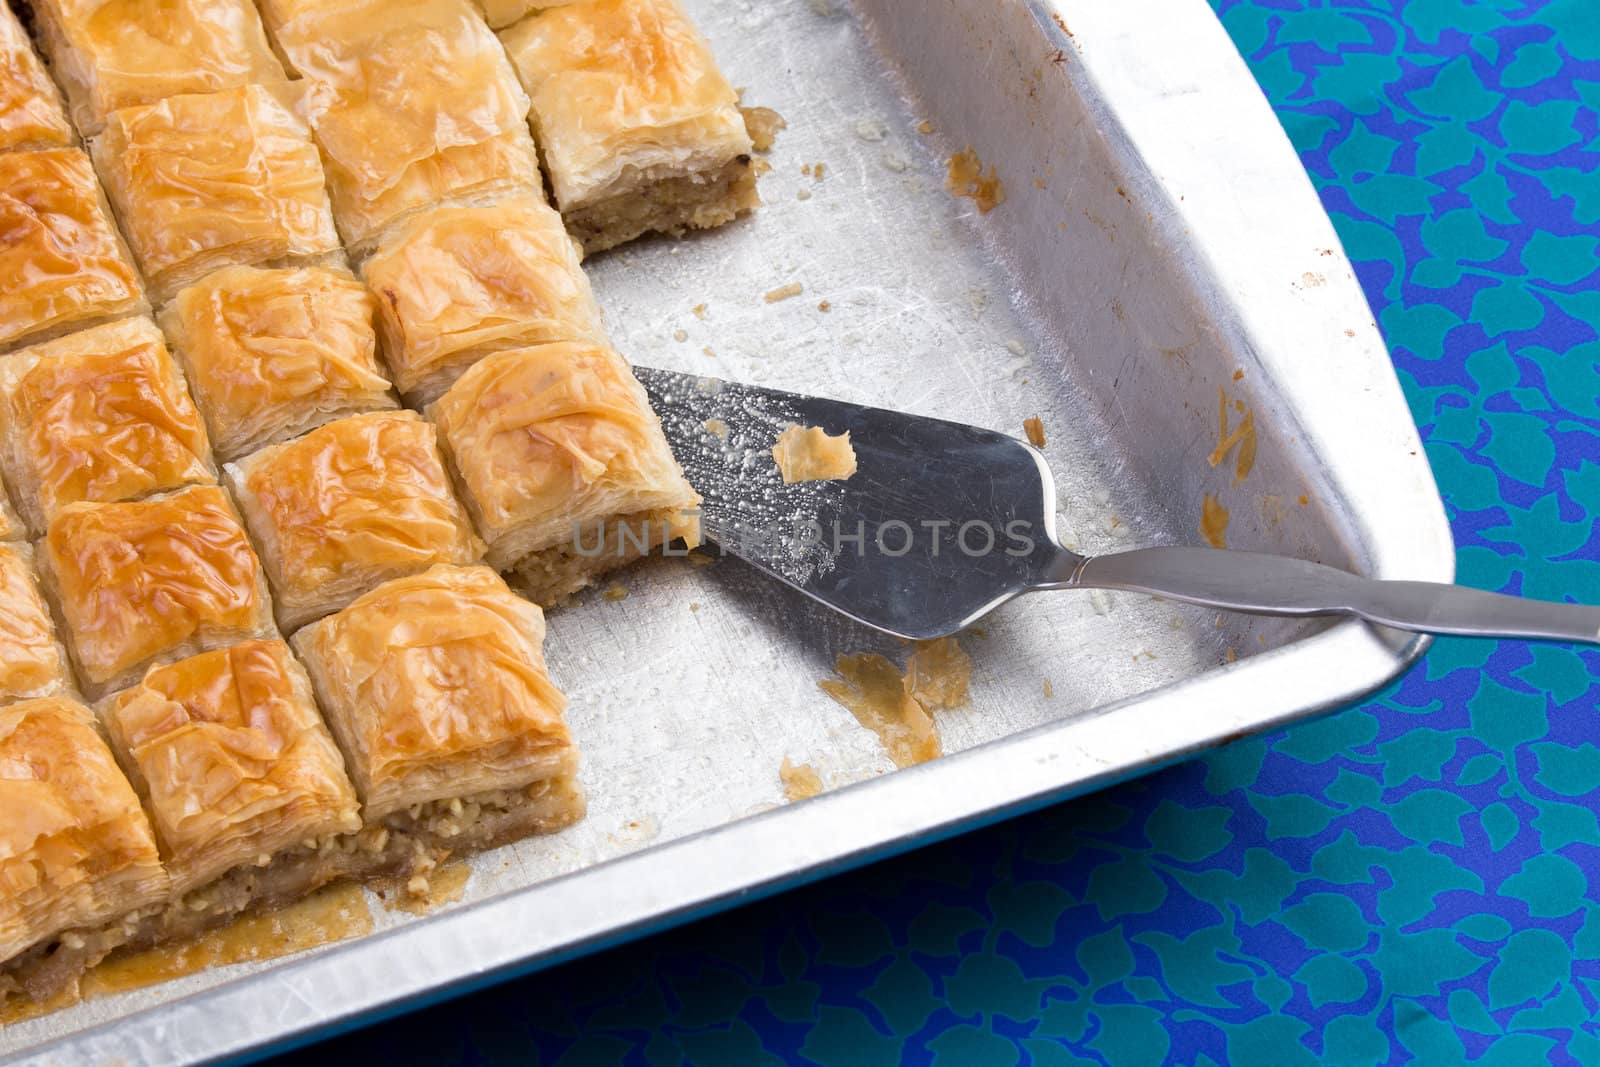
(563, 465)
(273, 353)
(234, 764)
(501, 13)
(31, 115)
(348, 506)
(456, 283)
(11, 525)
(62, 259)
(151, 582)
(77, 854)
(32, 661)
(413, 103)
(203, 181)
(112, 54)
(436, 689)
(639, 128)
(102, 415)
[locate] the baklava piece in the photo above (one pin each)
(639, 128)
(31, 115)
(413, 103)
(234, 765)
(112, 54)
(273, 353)
(500, 13)
(436, 689)
(76, 851)
(456, 283)
(63, 262)
(11, 525)
(152, 582)
(101, 416)
(349, 506)
(211, 180)
(32, 661)
(563, 465)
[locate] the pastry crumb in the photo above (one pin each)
(680, 336)
(925, 127)
(616, 591)
(800, 782)
(1214, 522)
(1242, 436)
(1034, 428)
(447, 885)
(699, 310)
(967, 179)
(700, 559)
(1049, 690)
(803, 194)
(764, 125)
(810, 454)
(708, 350)
(717, 428)
(939, 674)
(825, 306)
(786, 292)
(873, 690)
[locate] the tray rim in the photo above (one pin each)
(1403, 532)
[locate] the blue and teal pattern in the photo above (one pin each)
(1416, 881)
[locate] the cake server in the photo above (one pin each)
(943, 523)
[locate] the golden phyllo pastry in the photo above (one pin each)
(499, 13)
(563, 465)
(456, 283)
(75, 848)
(348, 506)
(31, 115)
(232, 760)
(32, 661)
(11, 525)
(102, 415)
(413, 102)
(436, 688)
(151, 582)
(63, 262)
(112, 54)
(208, 180)
(272, 353)
(639, 128)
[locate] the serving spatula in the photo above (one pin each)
(943, 523)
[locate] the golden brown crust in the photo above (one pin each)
(811, 454)
(102, 415)
(203, 181)
(111, 54)
(348, 506)
(229, 753)
(498, 13)
(153, 581)
(31, 115)
(554, 437)
(62, 259)
(456, 283)
(32, 661)
(273, 353)
(435, 686)
(75, 847)
(413, 102)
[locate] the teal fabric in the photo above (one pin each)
(1413, 881)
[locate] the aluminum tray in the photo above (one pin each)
(1158, 237)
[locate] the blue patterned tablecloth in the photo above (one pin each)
(1417, 880)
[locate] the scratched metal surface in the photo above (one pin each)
(1158, 244)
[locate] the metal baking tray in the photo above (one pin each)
(1158, 242)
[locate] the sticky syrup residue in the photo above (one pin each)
(443, 886)
(1242, 437)
(896, 706)
(763, 124)
(966, 178)
(1034, 428)
(810, 454)
(799, 782)
(1214, 522)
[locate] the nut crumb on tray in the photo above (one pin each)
(967, 179)
(810, 454)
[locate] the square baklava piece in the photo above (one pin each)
(112, 54)
(273, 353)
(639, 128)
(31, 115)
(151, 582)
(32, 661)
(348, 506)
(501, 13)
(63, 262)
(563, 465)
(456, 283)
(76, 851)
(101, 415)
(209, 180)
(413, 103)
(235, 767)
(436, 689)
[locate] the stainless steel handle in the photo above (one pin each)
(1276, 585)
